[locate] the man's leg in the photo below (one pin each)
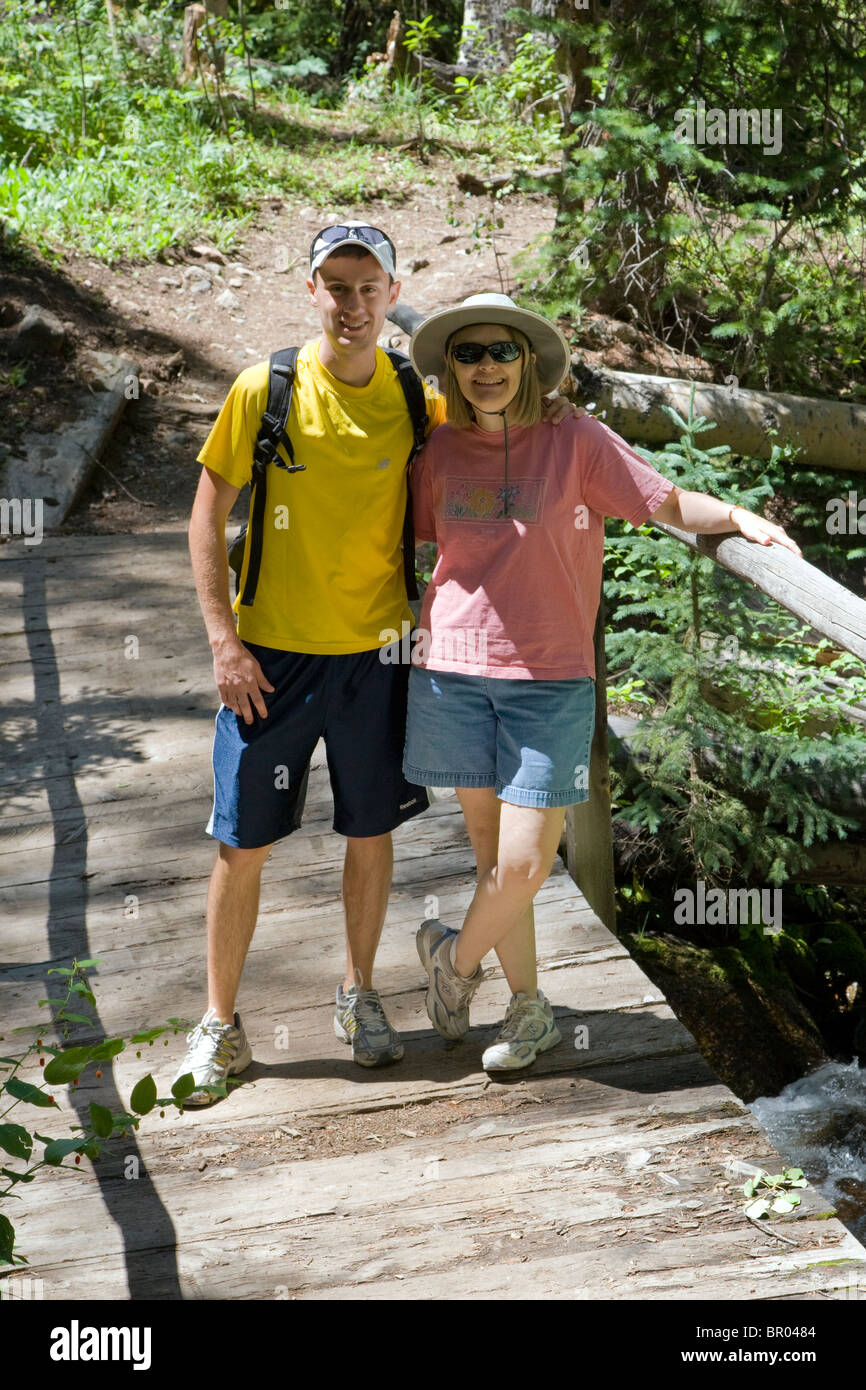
(367, 874)
(232, 909)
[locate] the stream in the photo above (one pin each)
(819, 1124)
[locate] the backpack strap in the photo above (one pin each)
(416, 402)
(273, 432)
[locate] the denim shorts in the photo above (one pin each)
(528, 739)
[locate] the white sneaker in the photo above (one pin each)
(529, 1028)
(216, 1051)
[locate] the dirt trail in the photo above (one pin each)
(193, 322)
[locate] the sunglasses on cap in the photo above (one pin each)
(368, 236)
(499, 352)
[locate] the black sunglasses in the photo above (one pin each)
(499, 352)
(370, 236)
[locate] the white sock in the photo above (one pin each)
(452, 950)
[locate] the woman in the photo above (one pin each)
(502, 693)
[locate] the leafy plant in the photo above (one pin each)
(66, 1066)
(739, 707)
(775, 1183)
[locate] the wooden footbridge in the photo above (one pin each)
(612, 1169)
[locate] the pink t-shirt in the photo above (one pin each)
(516, 596)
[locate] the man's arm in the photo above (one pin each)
(238, 676)
(705, 515)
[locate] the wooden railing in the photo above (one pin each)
(829, 608)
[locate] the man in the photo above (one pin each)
(304, 660)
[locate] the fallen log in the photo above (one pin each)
(473, 183)
(829, 434)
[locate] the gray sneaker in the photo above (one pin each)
(529, 1028)
(216, 1051)
(359, 1019)
(449, 995)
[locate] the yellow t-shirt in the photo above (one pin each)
(331, 577)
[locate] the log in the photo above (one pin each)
(830, 434)
(472, 183)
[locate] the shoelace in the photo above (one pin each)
(199, 1040)
(368, 1011)
(515, 1018)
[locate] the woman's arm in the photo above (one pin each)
(705, 515)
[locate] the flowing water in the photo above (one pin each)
(819, 1124)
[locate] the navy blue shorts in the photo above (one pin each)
(357, 704)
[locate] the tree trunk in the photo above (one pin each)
(486, 40)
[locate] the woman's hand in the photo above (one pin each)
(762, 532)
(707, 516)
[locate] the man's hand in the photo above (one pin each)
(240, 680)
(558, 408)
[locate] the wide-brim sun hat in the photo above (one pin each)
(552, 352)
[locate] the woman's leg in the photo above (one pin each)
(516, 950)
(500, 912)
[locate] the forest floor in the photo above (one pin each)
(164, 316)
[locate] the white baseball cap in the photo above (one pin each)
(331, 239)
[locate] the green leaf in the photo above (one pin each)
(101, 1120)
(758, 1209)
(76, 1018)
(67, 1065)
(7, 1240)
(147, 1037)
(143, 1096)
(793, 1173)
(104, 1051)
(57, 1150)
(749, 1187)
(22, 1090)
(16, 1141)
(786, 1202)
(17, 1177)
(60, 970)
(184, 1086)
(83, 964)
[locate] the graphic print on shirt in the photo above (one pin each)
(469, 499)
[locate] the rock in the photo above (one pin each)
(105, 371)
(171, 282)
(170, 367)
(236, 282)
(418, 264)
(149, 386)
(228, 300)
(39, 331)
(209, 253)
(7, 313)
(196, 272)
(237, 269)
(200, 287)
